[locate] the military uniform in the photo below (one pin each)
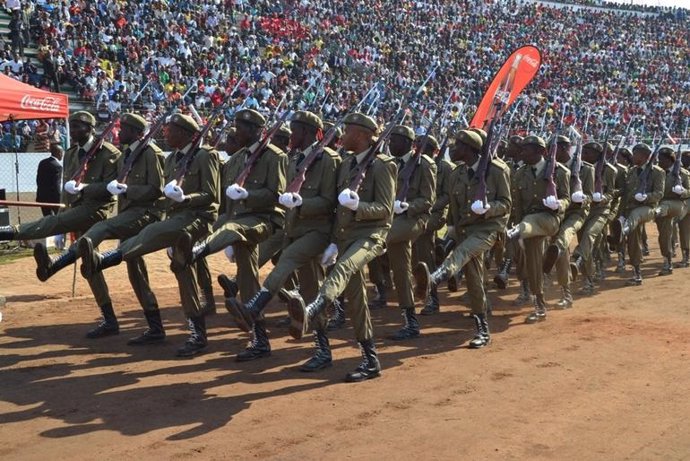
(537, 221)
(671, 208)
(637, 212)
(573, 221)
(192, 212)
(408, 224)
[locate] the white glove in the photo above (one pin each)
(230, 253)
(597, 197)
(349, 199)
(116, 188)
(290, 200)
(479, 208)
(640, 197)
(174, 192)
(678, 189)
(330, 254)
(71, 187)
(236, 192)
(577, 197)
(400, 207)
(551, 202)
(59, 241)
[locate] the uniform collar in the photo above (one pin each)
(475, 166)
(361, 155)
(539, 166)
(88, 144)
(406, 158)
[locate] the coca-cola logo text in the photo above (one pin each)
(45, 104)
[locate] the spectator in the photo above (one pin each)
(49, 179)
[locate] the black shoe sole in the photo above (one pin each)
(230, 288)
(239, 315)
(253, 356)
(145, 342)
(350, 379)
(296, 310)
(190, 352)
(319, 368)
(421, 278)
(85, 250)
(102, 334)
(500, 282)
(550, 257)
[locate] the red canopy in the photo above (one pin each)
(26, 102)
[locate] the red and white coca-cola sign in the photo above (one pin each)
(46, 103)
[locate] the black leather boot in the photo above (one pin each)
(229, 286)
(108, 326)
(245, 315)
(369, 368)
(525, 297)
(93, 262)
(501, 279)
(322, 357)
(539, 314)
(301, 315)
(685, 262)
(7, 233)
(424, 281)
(432, 305)
(381, 299)
(153, 334)
(576, 266)
(483, 337)
(46, 266)
(337, 321)
(550, 257)
(411, 328)
(636, 279)
(588, 289)
(667, 268)
(259, 346)
(566, 301)
(196, 343)
(185, 252)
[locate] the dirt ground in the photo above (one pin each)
(607, 379)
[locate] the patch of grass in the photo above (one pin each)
(9, 254)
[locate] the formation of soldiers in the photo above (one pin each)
(323, 210)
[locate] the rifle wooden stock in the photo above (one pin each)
(258, 149)
(31, 204)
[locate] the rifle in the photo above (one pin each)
(675, 171)
(576, 181)
(143, 144)
(257, 149)
(363, 166)
(647, 172)
(550, 170)
(316, 150)
(97, 145)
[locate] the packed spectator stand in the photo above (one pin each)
(326, 54)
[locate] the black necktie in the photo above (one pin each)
(82, 154)
(534, 171)
(401, 164)
(178, 155)
(353, 163)
(300, 158)
(128, 151)
(470, 173)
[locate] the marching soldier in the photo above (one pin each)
(282, 138)
(191, 210)
(252, 212)
(672, 206)
(140, 201)
(363, 219)
(475, 226)
(558, 253)
(539, 214)
(622, 163)
(424, 247)
(88, 202)
(308, 223)
(603, 197)
(416, 192)
(684, 224)
(638, 202)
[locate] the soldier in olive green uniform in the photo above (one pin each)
(684, 224)
(252, 213)
(672, 206)
(191, 207)
(622, 163)
(475, 222)
(308, 224)
(540, 214)
(603, 195)
(87, 202)
(363, 219)
(638, 202)
(415, 195)
(582, 187)
(140, 200)
(424, 248)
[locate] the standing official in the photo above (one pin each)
(49, 179)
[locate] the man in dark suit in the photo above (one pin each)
(49, 179)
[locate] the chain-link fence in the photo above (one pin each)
(18, 179)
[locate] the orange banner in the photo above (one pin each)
(25, 102)
(515, 74)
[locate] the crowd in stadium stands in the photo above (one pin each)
(328, 53)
